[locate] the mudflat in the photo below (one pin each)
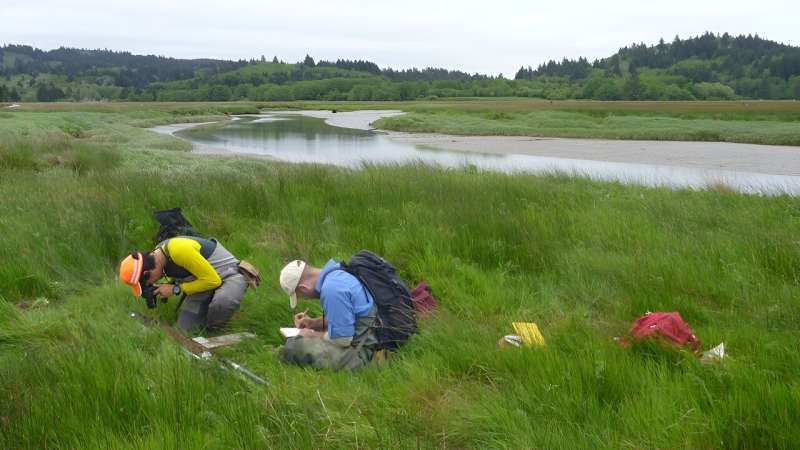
(766, 159)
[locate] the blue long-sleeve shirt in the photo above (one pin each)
(343, 299)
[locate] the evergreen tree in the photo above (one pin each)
(615, 69)
(47, 92)
(633, 86)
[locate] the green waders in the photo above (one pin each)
(324, 354)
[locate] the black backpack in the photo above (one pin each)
(397, 320)
(172, 223)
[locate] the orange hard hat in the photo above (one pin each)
(130, 270)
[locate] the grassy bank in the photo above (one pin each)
(778, 110)
(580, 258)
(755, 128)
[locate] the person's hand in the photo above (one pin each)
(305, 322)
(301, 320)
(164, 290)
(307, 332)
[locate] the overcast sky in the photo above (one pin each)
(491, 36)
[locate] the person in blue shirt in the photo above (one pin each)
(344, 337)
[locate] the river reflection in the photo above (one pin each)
(297, 138)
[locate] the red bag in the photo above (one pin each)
(669, 327)
(423, 301)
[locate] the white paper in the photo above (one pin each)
(715, 354)
(290, 332)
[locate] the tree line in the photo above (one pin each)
(706, 67)
(702, 67)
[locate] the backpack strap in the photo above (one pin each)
(376, 321)
(164, 246)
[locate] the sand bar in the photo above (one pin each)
(766, 159)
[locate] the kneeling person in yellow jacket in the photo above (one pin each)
(202, 269)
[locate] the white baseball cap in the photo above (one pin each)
(290, 277)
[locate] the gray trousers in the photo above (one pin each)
(324, 354)
(213, 309)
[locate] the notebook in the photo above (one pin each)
(290, 332)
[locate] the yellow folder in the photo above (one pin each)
(530, 334)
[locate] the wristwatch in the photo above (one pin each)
(176, 289)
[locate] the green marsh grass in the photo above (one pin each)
(581, 258)
(756, 128)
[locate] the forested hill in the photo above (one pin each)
(707, 67)
(120, 68)
(743, 66)
(31, 74)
